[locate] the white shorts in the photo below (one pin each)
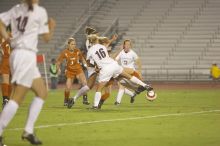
(23, 64)
(111, 70)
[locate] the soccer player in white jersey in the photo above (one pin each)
(108, 68)
(28, 20)
(128, 60)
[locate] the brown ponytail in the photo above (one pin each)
(30, 5)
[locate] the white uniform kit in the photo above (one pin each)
(26, 26)
(127, 59)
(109, 67)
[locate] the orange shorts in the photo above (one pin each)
(5, 68)
(72, 74)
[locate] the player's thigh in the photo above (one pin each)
(100, 86)
(39, 88)
(82, 78)
(6, 78)
(18, 93)
(124, 74)
(91, 80)
(128, 70)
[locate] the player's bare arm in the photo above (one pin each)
(48, 36)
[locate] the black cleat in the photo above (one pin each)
(1, 141)
(85, 100)
(65, 104)
(101, 102)
(142, 88)
(149, 88)
(31, 138)
(116, 103)
(5, 101)
(70, 103)
(132, 98)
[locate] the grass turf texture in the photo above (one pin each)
(187, 130)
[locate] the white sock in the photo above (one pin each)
(128, 92)
(137, 81)
(120, 94)
(34, 111)
(7, 114)
(81, 91)
(97, 98)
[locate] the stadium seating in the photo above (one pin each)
(176, 39)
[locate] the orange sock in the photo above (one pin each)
(66, 95)
(105, 96)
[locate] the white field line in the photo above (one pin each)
(115, 120)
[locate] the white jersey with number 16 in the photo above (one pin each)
(99, 54)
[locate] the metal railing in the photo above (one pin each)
(112, 29)
(85, 17)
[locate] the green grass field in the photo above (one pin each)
(176, 118)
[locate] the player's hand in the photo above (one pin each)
(51, 23)
(97, 69)
(114, 37)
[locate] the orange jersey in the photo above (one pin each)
(72, 59)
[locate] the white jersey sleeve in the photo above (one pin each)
(43, 28)
(6, 17)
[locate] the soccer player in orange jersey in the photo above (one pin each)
(73, 57)
(5, 70)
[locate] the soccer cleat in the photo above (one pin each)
(1, 141)
(116, 103)
(85, 100)
(101, 102)
(148, 88)
(132, 98)
(70, 103)
(5, 101)
(93, 108)
(142, 88)
(31, 138)
(65, 104)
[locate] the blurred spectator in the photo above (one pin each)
(215, 71)
(53, 74)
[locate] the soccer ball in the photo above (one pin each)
(151, 95)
